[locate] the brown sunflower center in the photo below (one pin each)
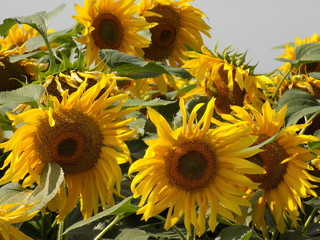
(191, 165)
(108, 31)
(74, 141)
(164, 34)
(225, 97)
(270, 159)
(310, 67)
(11, 74)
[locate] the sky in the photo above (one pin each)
(255, 26)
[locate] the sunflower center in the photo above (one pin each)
(108, 31)
(270, 159)
(164, 34)
(11, 74)
(225, 97)
(74, 141)
(67, 147)
(191, 165)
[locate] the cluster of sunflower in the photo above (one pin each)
(128, 113)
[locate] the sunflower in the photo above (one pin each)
(286, 163)
(178, 29)
(16, 40)
(71, 80)
(289, 54)
(111, 24)
(14, 74)
(85, 135)
(227, 77)
(304, 82)
(11, 214)
(193, 170)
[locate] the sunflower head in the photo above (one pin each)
(15, 41)
(109, 24)
(84, 133)
(15, 74)
(297, 81)
(285, 161)
(194, 170)
(290, 54)
(178, 27)
(227, 77)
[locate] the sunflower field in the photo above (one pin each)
(126, 126)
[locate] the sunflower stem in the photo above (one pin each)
(192, 236)
(275, 234)
(309, 220)
(60, 231)
(174, 228)
(275, 94)
(114, 222)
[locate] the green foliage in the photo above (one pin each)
(124, 207)
(299, 104)
(235, 233)
(51, 178)
(126, 65)
(304, 53)
(29, 94)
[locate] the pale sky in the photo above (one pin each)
(253, 25)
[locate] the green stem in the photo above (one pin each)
(309, 220)
(60, 231)
(177, 230)
(114, 222)
(275, 94)
(192, 236)
(275, 234)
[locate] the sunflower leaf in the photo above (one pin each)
(152, 103)
(6, 26)
(130, 66)
(315, 75)
(299, 103)
(132, 234)
(235, 232)
(124, 207)
(314, 202)
(40, 20)
(29, 94)
(304, 53)
(51, 178)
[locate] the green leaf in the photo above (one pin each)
(40, 20)
(314, 202)
(63, 36)
(315, 75)
(35, 54)
(294, 118)
(132, 234)
(152, 103)
(51, 178)
(299, 103)
(133, 67)
(6, 26)
(304, 53)
(123, 207)
(308, 52)
(30, 94)
(235, 233)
